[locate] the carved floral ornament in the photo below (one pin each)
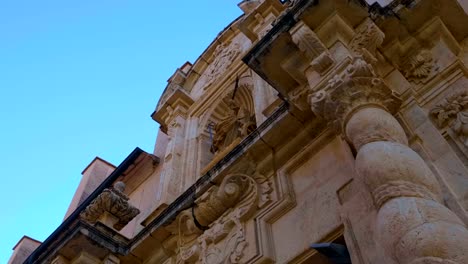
(419, 66)
(113, 201)
(453, 112)
(356, 86)
(213, 231)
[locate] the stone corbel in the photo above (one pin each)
(111, 207)
(417, 67)
(367, 39)
(60, 260)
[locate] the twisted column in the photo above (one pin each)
(412, 224)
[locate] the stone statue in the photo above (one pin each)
(237, 123)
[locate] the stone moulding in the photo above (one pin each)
(114, 202)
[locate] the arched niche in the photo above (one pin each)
(225, 124)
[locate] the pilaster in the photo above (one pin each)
(172, 116)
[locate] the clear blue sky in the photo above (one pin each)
(79, 79)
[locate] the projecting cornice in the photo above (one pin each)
(398, 21)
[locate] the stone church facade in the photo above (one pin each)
(332, 131)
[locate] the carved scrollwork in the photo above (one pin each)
(113, 201)
(453, 112)
(357, 85)
(220, 211)
(307, 41)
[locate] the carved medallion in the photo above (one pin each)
(419, 66)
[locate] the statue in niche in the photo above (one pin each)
(237, 123)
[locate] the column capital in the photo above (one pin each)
(355, 87)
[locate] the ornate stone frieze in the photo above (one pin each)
(356, 86)
(213, 231)
(453, 112)
(419, 66)
(223, 57)
(112, 201)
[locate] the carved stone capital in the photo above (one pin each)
(233, 189)
(114, 202)
(354, 88)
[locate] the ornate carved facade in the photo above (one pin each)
(308, 126)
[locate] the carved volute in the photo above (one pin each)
(216, 221)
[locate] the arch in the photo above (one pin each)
(230, 119)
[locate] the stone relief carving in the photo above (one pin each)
(367, 39)
(113, 201)
(453, 112)
(223, 57)
(346, 90)
(212, 231)
(307, 41)
(237, 123)
(419, 66)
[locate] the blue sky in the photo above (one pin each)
(79, 79)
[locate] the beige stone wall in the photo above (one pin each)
(315, 176)
(371, 151)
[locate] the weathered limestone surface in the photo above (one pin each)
(303, 122)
